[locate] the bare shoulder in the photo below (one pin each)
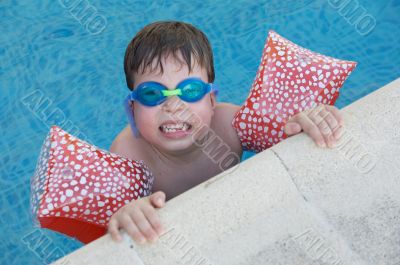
(224, 109)
(222, 124)
(126, 145)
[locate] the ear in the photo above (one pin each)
(213, 100)
(132, 108)
(132, 121)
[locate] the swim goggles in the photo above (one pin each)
(153, 93)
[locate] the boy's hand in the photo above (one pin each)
(324, 124)
(139, 219)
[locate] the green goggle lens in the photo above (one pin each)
(150, 95)
(193, 91)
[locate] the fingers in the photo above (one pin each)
(337, 132)
(157, 199)
(122, 219)
(324, 121)
(139, 219)
(292, 128)
(335, 127)
(113, 230)
(144, 226)
(328, 123)
(131, 229)
(336, 113)
(310, 127)
(154, 220)
(324, 124)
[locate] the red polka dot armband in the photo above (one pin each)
(77, 187)
(290, 79)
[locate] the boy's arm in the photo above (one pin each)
(324, 124)
(139, 217)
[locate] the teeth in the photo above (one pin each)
(174, 127)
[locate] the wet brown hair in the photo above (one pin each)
(165, 38)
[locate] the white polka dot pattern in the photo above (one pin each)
(290, 79)
(78, 185)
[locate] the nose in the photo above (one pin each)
(173, 105)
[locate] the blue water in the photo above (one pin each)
(49, 54)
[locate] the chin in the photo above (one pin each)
(178, 146)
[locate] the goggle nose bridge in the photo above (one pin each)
(169, 93)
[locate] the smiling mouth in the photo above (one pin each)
(173, 127)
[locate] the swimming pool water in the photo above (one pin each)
(58, 66)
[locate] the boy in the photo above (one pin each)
(168, 53)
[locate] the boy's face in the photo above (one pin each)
(158, 125)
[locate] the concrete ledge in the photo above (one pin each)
(291, 204)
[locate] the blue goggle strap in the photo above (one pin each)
(213, 88)
(129, 113)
